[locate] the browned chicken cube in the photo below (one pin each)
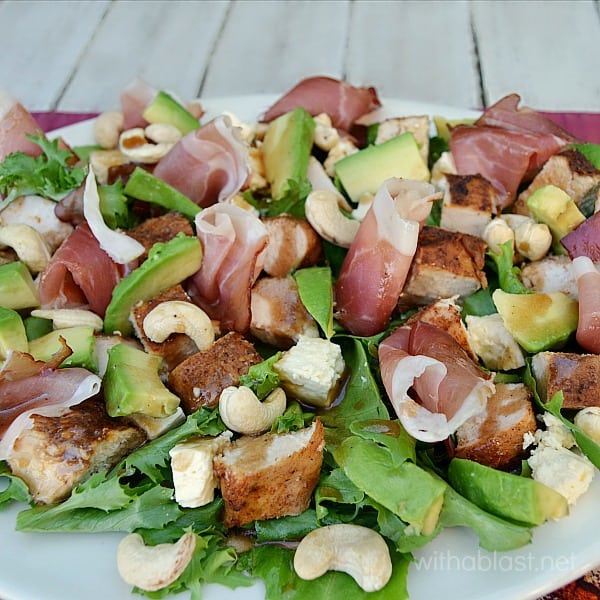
(577, 375)
(446, 264)
(178, 346)
(270, 476)
(293, 244)
(468, 205)
(572, 172)
(200, 379)
(278, 316)
(494, 437)
(160, 229)
(57, 453)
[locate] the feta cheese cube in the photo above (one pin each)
(311, 370)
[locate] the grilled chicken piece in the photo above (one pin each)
(57, 453)
(446, 264)
(293, 243)
(200, 379)
(178, 346)
(495, 436)
(159, 229)
(417, 125)
(572, 172)
(278, 315)
(577, 375)
(270, 476)
(551, 274)
(445, 314)
(469, 201)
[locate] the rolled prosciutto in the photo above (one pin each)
(432, 383)
(343, 102)
(375, 268)
(588, 289)
(232, 241)
(209, 164)
(15, 123)
(136, 96)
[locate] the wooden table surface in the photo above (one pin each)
(77, 55)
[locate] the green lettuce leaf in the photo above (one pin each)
(262, 379)
(508, 274)
(316, 292)
(16, 490)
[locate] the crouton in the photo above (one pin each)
(446, 264)
(576, 375)
(468, 205)
(278, 316)
(494, 437)
(270, 476)
(572, 172)
(160, 229)
(293, 243)
(57, 453)
(551, 274)
(417, 125)
(178, 346)
(200, 379)
(446, 315)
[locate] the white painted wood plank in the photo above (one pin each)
(269, 46)
(166, 43)
(546, 51)
(415, 50)
(41, 45)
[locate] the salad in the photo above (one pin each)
(338, 393)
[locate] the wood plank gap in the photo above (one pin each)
(64, 88)
(213, 48)
(482, 93)
(349, 15)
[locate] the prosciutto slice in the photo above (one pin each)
(79, 275)
(15, 123)
(432, 383)
(209, 164)
(136, 96)
(375, 268)
(232, 240)
(343, 102)
(588, 289)
(31, 387)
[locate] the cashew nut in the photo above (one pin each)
(533, 240)
(164, 133)
(29, 245)
(178, 316)
(70, 317)
(244, 413)
(134, 144)
(102, 161)
(107, 128)
(496, 232)
(325, 136)
(324, 214)
(588, 420)
(152, 568)
(358, 551)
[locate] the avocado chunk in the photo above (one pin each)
(167, 265)
(17, 289)
(165, 109)
(132, 384)
(12, 332)
(81, 341)
(506, 495)
(145, 186)
(364, 171)
(554, 207)
(286, 150)
(538, 321)
(444, 126)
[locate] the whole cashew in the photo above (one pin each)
(29, 245)
(177, 316)
(107, 128)
(134, 144)
(152, 568)
(244, 413)
(358, 551)
(70, 317)
(323, 213)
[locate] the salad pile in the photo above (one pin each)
(296, 349)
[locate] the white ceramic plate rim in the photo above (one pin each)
(62, 565)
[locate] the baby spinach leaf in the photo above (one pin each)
(316, 292)
(508, 274)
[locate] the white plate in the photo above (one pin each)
(70, 566)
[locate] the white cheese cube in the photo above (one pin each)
(192, 468)
(311, 370)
